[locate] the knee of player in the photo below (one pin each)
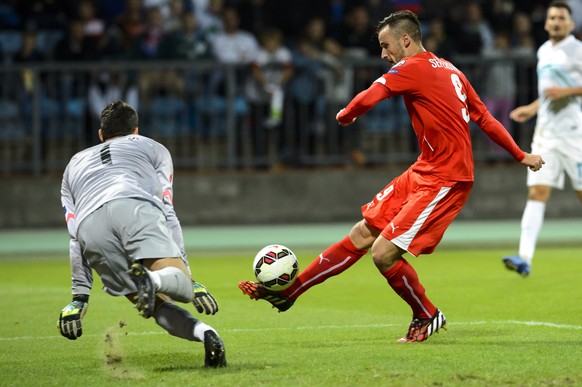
(539, 193)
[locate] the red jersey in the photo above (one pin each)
(441, 102)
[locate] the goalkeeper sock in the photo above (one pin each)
(531, 224)
(199, 330)
(177, 321)
(336, 259)
(403, 279)
(172, 282)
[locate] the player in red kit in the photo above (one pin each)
(413, 211)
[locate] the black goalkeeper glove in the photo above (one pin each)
(203, 300)
(69, 323)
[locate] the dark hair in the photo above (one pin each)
(560, 4)
(402, 22)
(118, 119)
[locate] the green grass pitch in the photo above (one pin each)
(502, 330)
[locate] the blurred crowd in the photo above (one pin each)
(231, 30)
(291, 49)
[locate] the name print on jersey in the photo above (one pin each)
(440, 63)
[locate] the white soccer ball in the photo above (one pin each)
(276, 267)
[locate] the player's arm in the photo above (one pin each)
(497, 132)
(69, 322)
(488, 124)
(555, 93)
(525, 112)
(363, 102)
(165, 172)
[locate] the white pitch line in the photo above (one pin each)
(326, 327)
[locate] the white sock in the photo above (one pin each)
(199, 330)
(172, 282)
(531, 224)
(155, 279)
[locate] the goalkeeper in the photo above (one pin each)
(117, 199)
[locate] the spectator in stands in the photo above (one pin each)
(74, 46)
(358, 40)
(378, 9)
(209, 14)
(436, 37)
(71, 86)
(189, 42)
(499, 14)
(29, 50)
(500, 84)
(43, 14)
(256, 15)
(474, 33)
(319, 82)
(162, 5)
(521, 37)
(358, 34)
(109, 10)
(234, 45)
(131, 26)
(162, 90)
(148, 43)
(230, 46)
(94, 25)
(265, 91)
(174, 20)
(291, 16)
(108, 86)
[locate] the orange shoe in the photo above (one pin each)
(257, 291)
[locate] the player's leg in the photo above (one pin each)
(417, 228)
(532, 220)
(404, 280)
(181, 323)
(333, 261)
(540, 185)
(164, 275)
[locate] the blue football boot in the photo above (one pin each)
(517, 264)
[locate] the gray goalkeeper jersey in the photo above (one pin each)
(130, 166)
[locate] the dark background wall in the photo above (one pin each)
(287, 197)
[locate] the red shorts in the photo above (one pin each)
(414, 210)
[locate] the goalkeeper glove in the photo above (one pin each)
(203, 300)
(69, 323)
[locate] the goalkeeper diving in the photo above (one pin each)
(117, 200)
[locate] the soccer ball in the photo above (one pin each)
(276, 267)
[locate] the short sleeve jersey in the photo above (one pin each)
(131, 166)
(440, 102)
(559, 65)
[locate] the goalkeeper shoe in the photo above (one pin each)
(257, 291)
(146, 293)
(517, 264)
(421, 329)
(215, 354)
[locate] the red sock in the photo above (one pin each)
(332, 261)
(403, 279)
